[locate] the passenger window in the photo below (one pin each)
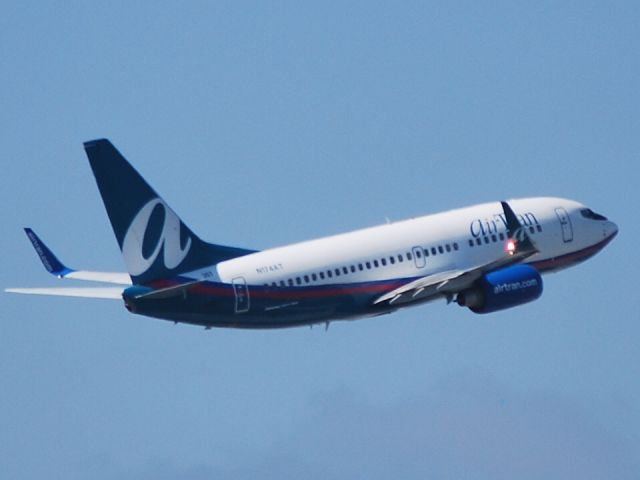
(501, 235)
(440, 249)
(375, 263)
(306, 279)
(486, 240)
(532, 230)
(321, 275)
(298, 281)
(282, 284)
(290, 282)
(360, 267)
(455, 246)
(345, 270)
(400, 258)
(368, 264)
(539, 228)
(353, 269)
(314, 277)
(329, 273)
(384, 262)
(478, 241)
(392, 260)
(418, 253)
(494, 238)
(434, 251)
(471, 242)
(426, 252)
(337, 270)
(409, 257)
(447, 247)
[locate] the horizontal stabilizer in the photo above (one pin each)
(114, 293)
(117, 278)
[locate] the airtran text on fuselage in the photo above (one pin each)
(481, 227)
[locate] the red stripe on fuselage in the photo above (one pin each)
(227, 290)
(380, 287)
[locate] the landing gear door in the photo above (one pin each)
(565, 224)
(241, 292)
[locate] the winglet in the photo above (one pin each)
(48, 259)
(516, 231)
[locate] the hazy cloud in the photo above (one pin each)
(467, 426)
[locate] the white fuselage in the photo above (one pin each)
(456, 239)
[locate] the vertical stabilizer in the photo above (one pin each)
(155, 243)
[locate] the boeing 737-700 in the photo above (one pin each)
(487, 257)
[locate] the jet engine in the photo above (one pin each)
(502, 289)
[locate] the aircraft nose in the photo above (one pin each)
(610, 229)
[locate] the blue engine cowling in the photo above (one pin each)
(502, 289)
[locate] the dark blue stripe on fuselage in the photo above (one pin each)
(216, 304)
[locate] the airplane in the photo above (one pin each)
(486, 257)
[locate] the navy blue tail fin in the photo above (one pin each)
(154, 242)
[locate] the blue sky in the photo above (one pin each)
(268, 123)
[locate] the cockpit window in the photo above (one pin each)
(588, 213)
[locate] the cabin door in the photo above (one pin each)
(565, 224)
(241, 291)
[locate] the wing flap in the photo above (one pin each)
(419, 288)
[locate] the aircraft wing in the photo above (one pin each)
(519, 248)
(445, 283)
(57, 268)
(114, 293)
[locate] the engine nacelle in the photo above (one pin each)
(502, 289)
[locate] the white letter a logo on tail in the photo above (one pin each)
(137, 264)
